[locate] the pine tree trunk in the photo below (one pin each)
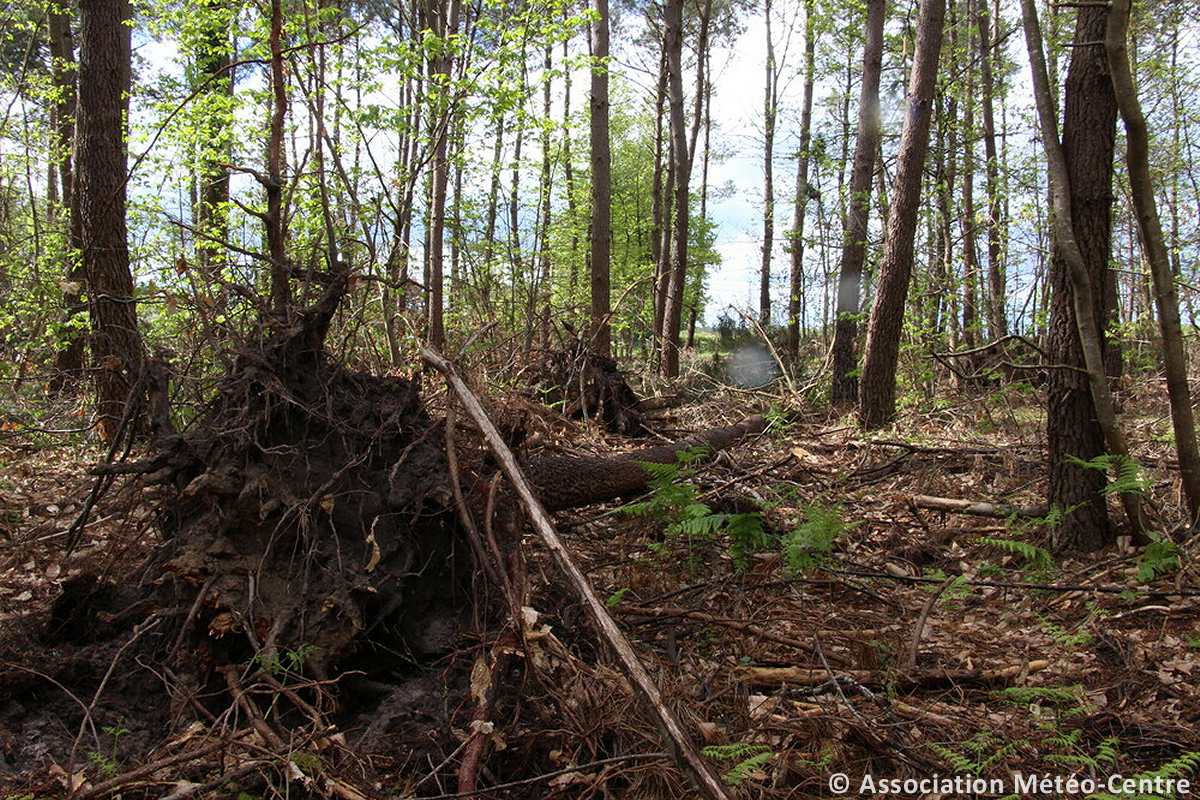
(971, 314)
(1080, 175)
(1072, 431)
(673, 306)
(997, 290)
(601, 228)
(770, 108)
(70, 358)
(854, 237)
(877, 403)
(443, 21)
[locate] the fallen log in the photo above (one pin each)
(569, 482)
(979, 509)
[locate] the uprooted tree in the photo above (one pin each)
(312, 509)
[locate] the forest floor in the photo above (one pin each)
(863, 636)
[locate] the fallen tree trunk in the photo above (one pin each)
(569, 482)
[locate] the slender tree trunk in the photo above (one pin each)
(70, 360)
(100, 188)
(971, 315)
(601, 228)
(539, 295)
(997, 289)
(1085, 157)
(395, 298)
(276, 225)
(569, 176)
(943, 311)
(516, 258)
(854, 237)
(706, 150)
(680, 168)
(443, 21)
(487, 278)
(1137, 155)
(770, 111)
(214, 81)
(877, 403)
(796, 249)
(456, 220)
(660, 206)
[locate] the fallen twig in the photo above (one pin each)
(1046, 587)
(104, 787)
(551, 775)
(700, 616)
(916, 679)
(914, 645)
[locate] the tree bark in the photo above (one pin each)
(540, 293)
(660, 206)
(101, 176)
(215, 83)
(1072, 430)
(443, 21)
(854, 237)
(601, 230)
(281, 292)
(1166, 297)
(1066, 196)
(970, 297)
(770, 113)
(803, 156)
(569, 174)
(997, 316)
(877, 403)
(680, 169)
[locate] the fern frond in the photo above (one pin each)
(1037, 557)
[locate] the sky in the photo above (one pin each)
(738, 105)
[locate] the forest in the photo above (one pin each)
(546, 398)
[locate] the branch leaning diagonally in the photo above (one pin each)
(685, 754)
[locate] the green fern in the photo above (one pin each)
(809, 544)
(675, 502)
(1108, 753)
(1074, 757)
(1055, 696)
(957, 762)
(1184, 765)
(1127, 473)
(1036, 557)
(750, 757)
(982, 752)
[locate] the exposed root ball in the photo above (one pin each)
(311, 516)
